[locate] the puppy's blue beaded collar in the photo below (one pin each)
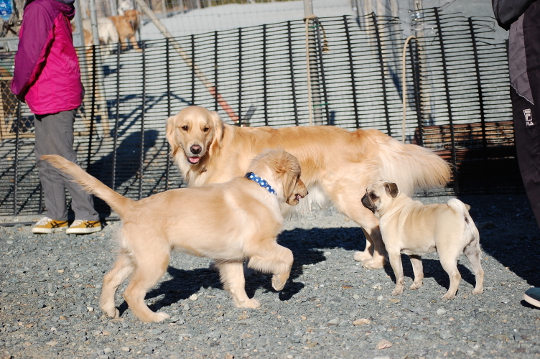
(252, 176)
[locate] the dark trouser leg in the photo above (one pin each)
(54, 136)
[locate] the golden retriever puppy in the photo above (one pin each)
(410, 227)
(337, 164)
(106, 31)
(126, 26)
(227, 222)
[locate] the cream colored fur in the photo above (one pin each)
(339, 163)
(415, 229)
(227, 222)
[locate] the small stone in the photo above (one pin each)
(383, 344)
(125, 349)
(193, 297)
(361, 321)
(334, 321)
(90, 309)
(441, 311)
(52, 343)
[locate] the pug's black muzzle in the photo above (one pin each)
(367, 203)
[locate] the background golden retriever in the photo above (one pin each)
(228, 222)
(127, 26)
(337, 164)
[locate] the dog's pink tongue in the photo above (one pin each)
(193, 160)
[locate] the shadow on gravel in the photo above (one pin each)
(508, 233)
(307, 246)
(432, 269)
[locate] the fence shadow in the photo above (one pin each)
(122, 165)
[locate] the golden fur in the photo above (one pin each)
(227, 222)
(415, 229)
(336, 163)
(127, 26)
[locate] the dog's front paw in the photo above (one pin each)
(278, 282)
(398, 290)
(373, 263)
(478, 290)
(249, 303)
(449, 295)
(416, 285)
(362, 256)
(111, 312)
(158, 317)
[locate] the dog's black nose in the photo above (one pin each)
(195, 149)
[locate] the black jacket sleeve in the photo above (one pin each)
(508, 11)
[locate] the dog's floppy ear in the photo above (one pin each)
(218, 132)
(169, 134)
(391, 189)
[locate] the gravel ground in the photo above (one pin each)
(331, 307)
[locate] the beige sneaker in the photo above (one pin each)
(84, 227)
(47, 225)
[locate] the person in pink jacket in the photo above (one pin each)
(47, 77)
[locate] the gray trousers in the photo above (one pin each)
(54, 136)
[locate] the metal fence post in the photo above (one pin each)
(265, 84)
(168, 68)
(216, 73)
(16, 167)
(417, 87)
(383, 80)
(93, 105)
(291, 70)
(448, 102)
(240, 119)
(480, 103)
(312, 64)
(117, 115)
(143, 111)
(351, 69)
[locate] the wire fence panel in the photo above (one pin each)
(456, 94)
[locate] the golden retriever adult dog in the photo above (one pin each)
(126, 26)
(337, 164)
(227, 222)
(410, 227)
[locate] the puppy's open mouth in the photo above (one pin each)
(294, 200)
(194, 160)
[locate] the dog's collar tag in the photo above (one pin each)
(252, 176)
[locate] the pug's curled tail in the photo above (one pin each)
(470, 228)
(89, 183)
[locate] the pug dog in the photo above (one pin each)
(410, 227)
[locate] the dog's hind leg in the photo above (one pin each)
(121, 270)
(418, 271)
(474, 254)
(232, 277)
(275, 259)
(449, 263)
(148, 270)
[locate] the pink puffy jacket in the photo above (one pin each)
(47, 74)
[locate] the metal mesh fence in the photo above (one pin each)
(456, 87)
